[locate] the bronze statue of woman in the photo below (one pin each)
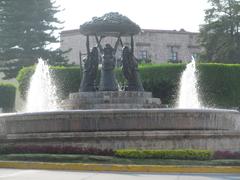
(130, 71)
(90, 69)
(108, 80)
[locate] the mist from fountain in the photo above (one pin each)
(41, 95)
(188, 92)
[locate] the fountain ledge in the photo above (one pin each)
(123, 128)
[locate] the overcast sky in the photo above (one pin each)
(148, 14)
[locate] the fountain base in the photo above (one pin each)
(166, 139)
(111, 100)
(122, 128)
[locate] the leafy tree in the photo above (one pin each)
(27, 28)
(220, 36)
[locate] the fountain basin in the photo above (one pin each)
(122, 128)
(120, 119)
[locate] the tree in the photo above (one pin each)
(220, 36)
(27, 28)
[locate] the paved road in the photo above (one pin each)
(15, 174)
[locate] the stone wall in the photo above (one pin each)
(157, 45)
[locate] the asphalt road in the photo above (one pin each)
(16, 174)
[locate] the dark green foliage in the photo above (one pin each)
(185, 154)
(220, 85)
(23, 78)
(11, 149)
(162, 80)
(67, 80)
(27, 28)
(220, 36)
(82, 158)
(7, 97)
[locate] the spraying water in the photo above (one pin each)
(188, 93)
(42, 92)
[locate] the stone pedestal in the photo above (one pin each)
(111, 100)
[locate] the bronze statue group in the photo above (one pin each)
(108, 80)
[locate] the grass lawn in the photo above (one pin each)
(75, 158)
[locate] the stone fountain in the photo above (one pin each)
(103, 116)
(107, 94)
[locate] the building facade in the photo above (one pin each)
(159, 46)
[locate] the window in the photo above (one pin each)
(174, 53)
(174, 56)
(143, 54)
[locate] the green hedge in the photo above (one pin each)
(160, 79)
(23, 79)
(7, 97)
(184, 154)
(219, 83)
(67, 79)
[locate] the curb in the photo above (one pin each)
(120, 168)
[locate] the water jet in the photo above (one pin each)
(41, 95)
(188, 96)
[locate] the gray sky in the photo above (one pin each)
(148, 14)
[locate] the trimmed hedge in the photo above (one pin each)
(219, 84)
(11, 149)
(67, 79)
(226, 155)
(184, 154)
(23, 79)
(7, 97)
(161, 80)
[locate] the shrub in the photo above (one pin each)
(185, 154)
(161, 80)
(219, 84)
(226, 155)
(9, 149)
(7, 97)
(23, 79)
(67, 79)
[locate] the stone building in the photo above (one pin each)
(159, 46)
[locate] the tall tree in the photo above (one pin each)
(220, 36)
(27, 28)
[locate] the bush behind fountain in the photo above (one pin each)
(7, 97)
(219, 83)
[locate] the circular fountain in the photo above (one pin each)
(105, 117)
(125, 128)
